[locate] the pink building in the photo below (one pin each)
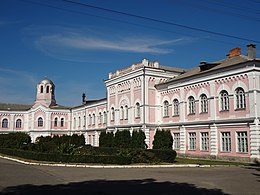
(211, 110)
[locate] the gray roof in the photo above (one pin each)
(221, 64)
(15, 107)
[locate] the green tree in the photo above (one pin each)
(123, 139)
(138, 140)
(106, 139)
(162, 140)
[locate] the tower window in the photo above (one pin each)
(48, 89)
(41, 89)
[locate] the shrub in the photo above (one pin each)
(162, 140)
(123, 139)
(14, 140)
(106, 139)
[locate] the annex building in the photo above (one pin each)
(212, 110)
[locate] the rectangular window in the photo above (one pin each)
(192, 141)
(204, 141)
(176, 140)
(226, 142)
(242, 143)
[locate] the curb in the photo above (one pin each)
(103, 166)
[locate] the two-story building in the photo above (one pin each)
(211, 110)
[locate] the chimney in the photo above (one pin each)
(251, 51)
(83, 98)
(234, 52)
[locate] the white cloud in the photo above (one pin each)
(128, 44)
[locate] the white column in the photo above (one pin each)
(183, 139)
(147, 137)
(213, 140)
(255, 140)
(182, 105)
(212, 101)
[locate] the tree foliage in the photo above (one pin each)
(138, 140)
(106, 139)
(123, 139)
(162, 140)
(16, 140)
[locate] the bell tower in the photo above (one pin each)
(45, 93)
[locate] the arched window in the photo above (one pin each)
(41, 89)
(40, 122)
(47, 89)
(165, 108)
(105, 117)
(84, 121)
(93, 119)
(62, 122)
(55, 122)
(175, 107)
(79, 122)
(240, 98)
(126, 112)
(224, 101)
(191, 102)
(204, 103)
(75, 122)
(89, 119)
(5, 123)
(18, 123)
(121, 113)
(112, 114)
(138, 110)
(100, 118)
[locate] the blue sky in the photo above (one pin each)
(77, 46)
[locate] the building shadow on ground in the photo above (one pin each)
(112, 187)
(256, 168)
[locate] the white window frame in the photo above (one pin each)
(176, 107)
(204, 141)
(240, 98)
(224, 101)
(242, 142)
(191, 105)
(192, 141)
(203, 103)
(165, 108)
(225, 141)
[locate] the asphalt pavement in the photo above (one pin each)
(17, 178)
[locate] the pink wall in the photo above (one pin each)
(198, 150)
(233, 130)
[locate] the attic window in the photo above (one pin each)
(206, 66)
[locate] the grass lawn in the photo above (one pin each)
(180, 160)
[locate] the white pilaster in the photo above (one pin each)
(255, 140)
(183, 139)
(213, 140)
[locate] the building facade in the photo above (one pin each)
(211, 110)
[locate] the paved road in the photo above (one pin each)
(16, 178)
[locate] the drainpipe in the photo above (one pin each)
(144, 124)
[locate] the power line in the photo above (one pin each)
(160, 21)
